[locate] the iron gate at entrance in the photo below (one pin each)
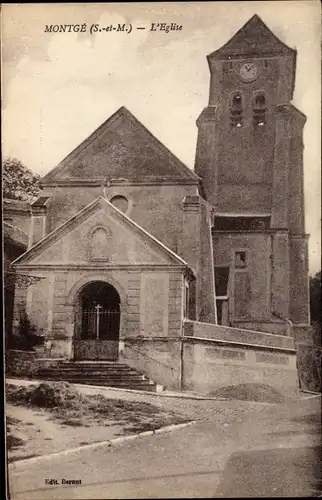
(97, 323)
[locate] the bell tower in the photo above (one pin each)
(250, 158)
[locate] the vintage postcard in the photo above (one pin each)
(162, 249)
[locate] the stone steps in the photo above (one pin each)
(94, 376)
(107, 374)
(91, 369)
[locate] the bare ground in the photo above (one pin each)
(35, 433)
(52, 417)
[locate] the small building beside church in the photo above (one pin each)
(16, 220)
(198, 279)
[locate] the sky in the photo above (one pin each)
(57, 88)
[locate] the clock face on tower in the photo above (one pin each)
(248, 71)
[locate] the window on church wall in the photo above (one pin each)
(240, 260)
(120, 202)
(236, 110)
(259, 110)
(190, 300)
(100, 240)
(187, 301)
(222, 299)
(221, 281)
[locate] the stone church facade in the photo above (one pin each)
(196, 278)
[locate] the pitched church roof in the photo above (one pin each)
(253, 39)
(121, 148)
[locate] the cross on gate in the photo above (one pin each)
(97, 308)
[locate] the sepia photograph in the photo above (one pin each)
(161, 215)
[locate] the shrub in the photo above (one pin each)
(27, 338)
(309, 359)
(13, 441)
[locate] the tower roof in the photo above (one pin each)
(253, 39)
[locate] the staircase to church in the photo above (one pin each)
(101, 373)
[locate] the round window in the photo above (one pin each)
(120, 202)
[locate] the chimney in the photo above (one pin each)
(38, 219)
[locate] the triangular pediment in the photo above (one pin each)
(253, 39)
(125, 243)
(121, 148)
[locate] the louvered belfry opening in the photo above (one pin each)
(259, 110)
(236, 110)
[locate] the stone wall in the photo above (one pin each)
(159, 359)
(212, 356)
(211, 364)
(276, 327)
(24, 364)
(215, 356)
(238, 335)
(207, 288)
(299, 280)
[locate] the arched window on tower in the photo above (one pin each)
(236, 110)
(259, 110)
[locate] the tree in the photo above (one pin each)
(315, 297)
(18, 181)
(315, 306)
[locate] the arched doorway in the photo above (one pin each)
(97, 322)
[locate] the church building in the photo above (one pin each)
(197, 279)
